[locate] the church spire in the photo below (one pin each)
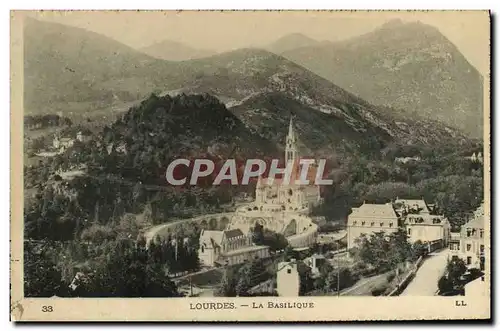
(291, 150)
(290, 128)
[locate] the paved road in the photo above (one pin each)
(426, 279)
(365, 286)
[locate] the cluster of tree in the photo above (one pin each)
(384, 252)
(238, 281)
(261, 236)
(119, 182)
(127, 269)
(177, 253)
(62, 209)
(42, 277)
(456, 276)
(452, 281)
(334, 279)
(45, 121)
(199, 121)
(330, 226)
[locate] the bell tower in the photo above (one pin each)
(291, 150)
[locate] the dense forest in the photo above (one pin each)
(121, 268)
(442, 176)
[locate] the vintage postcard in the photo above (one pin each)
(250, 165)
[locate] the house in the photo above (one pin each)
(370, 218)
(476, 158)
(62, 143)
(427, 228)
(79, 279)
(416, 206)
(120, 148)
(228, 247)
(288, 279)
(315, 262)
(472, 240)
(83, 136)
(407, 159)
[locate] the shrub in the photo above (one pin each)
(377, 291)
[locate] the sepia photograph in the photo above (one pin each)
(250, 165)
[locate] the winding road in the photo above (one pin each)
(425, 282)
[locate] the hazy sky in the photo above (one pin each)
(222, 31)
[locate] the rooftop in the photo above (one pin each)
(213, 237)
(216, 237)
(425, 219)
(374, 210)
(233, 233)
(244, 250)
(413, 204)
(477, 220)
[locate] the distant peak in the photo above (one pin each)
(393, 23)
(291, 41)
(410, 25)
(296, 36)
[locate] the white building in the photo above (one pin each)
(407, 159)
(472, 240)
(228, 247)
(62, 143)
(288, 279)
(476, 157)
(370, 218)
(315, 262)
(428, 228)
(83, 136)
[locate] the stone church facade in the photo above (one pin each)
(272, 194)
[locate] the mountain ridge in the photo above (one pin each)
(171, 50)
(289, 42)
(237, 78)
(416, 68)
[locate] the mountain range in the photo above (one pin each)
(72, 69)
(410, 67)
(175, 51)
(69, 68)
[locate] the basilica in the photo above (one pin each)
(279, 194)
(280, 205)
